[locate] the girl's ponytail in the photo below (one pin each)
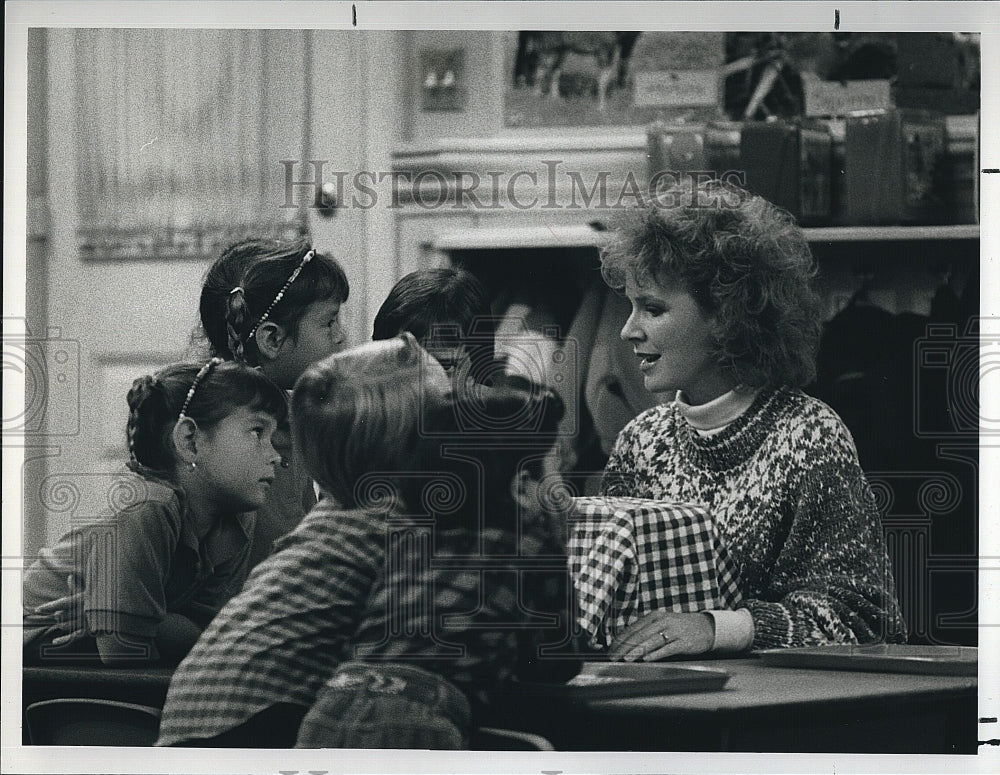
(148, 410)
(238, 322)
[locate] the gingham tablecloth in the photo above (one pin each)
(629, 556)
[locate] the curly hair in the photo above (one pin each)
(743, 260)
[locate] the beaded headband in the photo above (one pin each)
(305, 260)
(202, 373)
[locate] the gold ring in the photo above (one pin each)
(664, 636)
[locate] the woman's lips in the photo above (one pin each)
(647, 360)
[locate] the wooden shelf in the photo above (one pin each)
(583, 236)
(512, 238)
(962, 231)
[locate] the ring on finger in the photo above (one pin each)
(666, 638)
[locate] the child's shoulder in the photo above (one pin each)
(137, 496)
(328, 521)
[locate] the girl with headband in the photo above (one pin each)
(145, 581)
(276, 306)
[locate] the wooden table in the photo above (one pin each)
(761, 708)
(769, 709)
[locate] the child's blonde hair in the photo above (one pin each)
(358, 413)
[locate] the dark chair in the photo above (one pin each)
(79, 721)
(493, 739)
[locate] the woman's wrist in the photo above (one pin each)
(734, 630)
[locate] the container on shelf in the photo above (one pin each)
(896, 170)
(788, 163)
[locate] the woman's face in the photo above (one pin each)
(673, 338)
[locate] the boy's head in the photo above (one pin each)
(357, 415)
(446, 309)
(500, 443)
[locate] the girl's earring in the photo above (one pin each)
(194, 465)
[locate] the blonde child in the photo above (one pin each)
(147, 580)
(318, 624)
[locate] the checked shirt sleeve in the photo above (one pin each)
(285, 633)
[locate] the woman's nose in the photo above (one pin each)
(630, 330)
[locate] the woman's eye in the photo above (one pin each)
(258, 432)
(654, 311)
(333, 321)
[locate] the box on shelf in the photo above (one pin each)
(673, 150)
(789, 164)
(722, 145)
(895, 168)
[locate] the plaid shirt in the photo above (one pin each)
(355, 585)
(629, 556)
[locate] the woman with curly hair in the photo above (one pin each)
(725, 324)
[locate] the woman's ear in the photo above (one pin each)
(185, 438)
(270, 338)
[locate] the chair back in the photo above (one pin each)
(88, 721)
(493, 739)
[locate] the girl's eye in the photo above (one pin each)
(333, 321)
(654, 311)
(259, 432)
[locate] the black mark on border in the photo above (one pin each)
(836, 18)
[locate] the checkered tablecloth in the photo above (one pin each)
(629, 556)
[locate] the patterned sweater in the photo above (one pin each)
(784, 484)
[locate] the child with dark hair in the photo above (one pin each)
(147, 580)
(448, 310)
(400, 601)
(275, 305)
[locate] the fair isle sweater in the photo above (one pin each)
(784, 484)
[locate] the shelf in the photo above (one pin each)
(508, 238)
(962, 231)
(584, 236)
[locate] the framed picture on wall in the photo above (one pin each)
(597, 78)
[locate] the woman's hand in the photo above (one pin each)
(661, 634)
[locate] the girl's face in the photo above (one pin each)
(673, 338)
(236, 460)
(320, 334)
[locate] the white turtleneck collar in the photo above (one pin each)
(713, 417)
